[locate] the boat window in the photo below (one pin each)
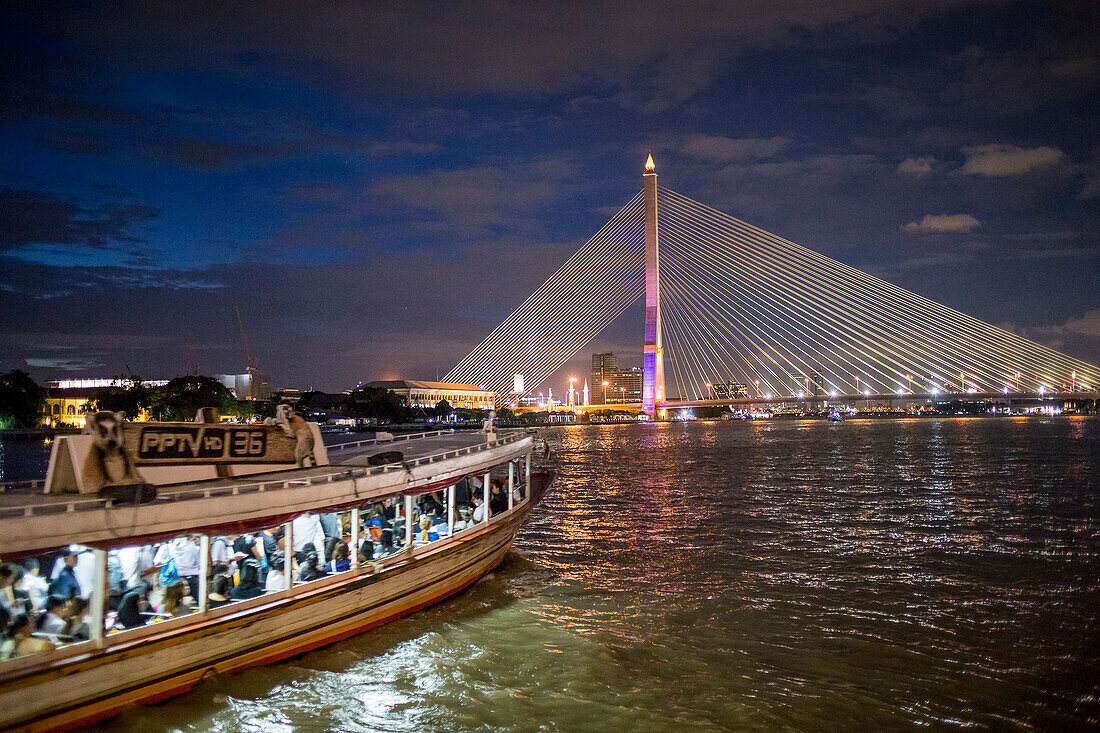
(44, 601)
(429, 518)
(382, 528)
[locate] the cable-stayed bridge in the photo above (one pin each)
(729, 302)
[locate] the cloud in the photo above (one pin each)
(916, 166)
(31, 219)
(388, 148)
(1087, 325)
(728, 150)
(1008, 160)
(942, 224)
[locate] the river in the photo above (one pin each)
(793, 575)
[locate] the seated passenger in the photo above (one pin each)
(479, 509)
(498, 500)
(276, 578)
(177, 599)
(341, 560)
(53, 621)
(311, 568)
(426, 533)
(218, 594)
(132, 610)
(76, 625)
(386, 541)
(249, 586)
(366, 551)
(19, 640)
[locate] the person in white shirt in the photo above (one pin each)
(308, 531)
(479, 509)
(136, 562)
(36, 587)
(185, 552)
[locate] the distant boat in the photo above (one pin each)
(834, 416)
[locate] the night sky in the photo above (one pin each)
(378, 186)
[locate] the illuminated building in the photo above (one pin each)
(415, 393)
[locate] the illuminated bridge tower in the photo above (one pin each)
(653, 368)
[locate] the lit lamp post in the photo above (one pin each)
(622, 395)
(857, 385)
(572, 400)
(757, 387)
(605, 391)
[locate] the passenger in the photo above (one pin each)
(330, 525)
(184, 553)
(387, 542)
(37, 587)
(65, 584)
(498, 500)
(366, 551)
(219, 592)
(341, 560)
(311, 568)
(12, 598)
(137, 564)
(177, 599)
(276, 578)
(307, 531)
(53, 621)
(479, 509)
(249, 586)
(266, 543)
(76, 625)
(19, 640)
(83, 567)
(132, 608)
(426, 533)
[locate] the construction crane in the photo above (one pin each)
(251, 357)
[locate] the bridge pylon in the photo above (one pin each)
(653, 368)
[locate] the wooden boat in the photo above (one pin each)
(80, 683)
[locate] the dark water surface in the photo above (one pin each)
(759, 576)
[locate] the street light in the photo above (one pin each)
(605, 391)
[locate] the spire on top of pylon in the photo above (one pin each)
(649, 166)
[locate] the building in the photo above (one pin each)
(67, 405)
(415, 393)
(250, 386)
(602, 365)
(623, 385)
(68, 399)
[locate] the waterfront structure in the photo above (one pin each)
(653, 369)
(119, 664)
(741, 305)
(417, 393)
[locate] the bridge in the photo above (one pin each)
(727, 302)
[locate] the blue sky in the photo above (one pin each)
(376, 187)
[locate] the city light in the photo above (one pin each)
(801, 394)
(832, 393)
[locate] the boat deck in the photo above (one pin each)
(346, 460)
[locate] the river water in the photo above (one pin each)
(780, 575)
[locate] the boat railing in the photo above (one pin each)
(200, 491)
(392, 439)
(22, 486)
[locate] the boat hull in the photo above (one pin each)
(91, 687)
